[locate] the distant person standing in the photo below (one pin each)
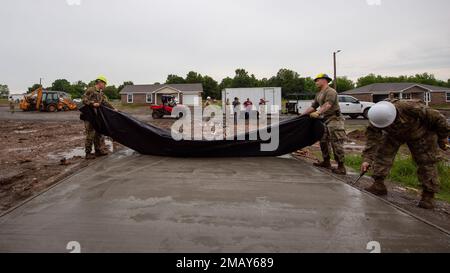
(208, 101)
(11, 105)
(236, 110)
(236, 103)
(248, 103)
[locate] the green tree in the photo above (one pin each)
(33, 87)
(210, 87)
(225, 83)
(424, 78)
(174, 79)
(77, 89)
(289, 81)
(310, 85)
(124, 84)
(369, 79)
(193, 77)
(243, 79)
(61, 85)
(4, 91)
(111, 92)
(91, 83)
(344, 84)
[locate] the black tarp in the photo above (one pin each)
(147, 139)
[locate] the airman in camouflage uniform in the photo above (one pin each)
(422, 129)
(94, 97)
(330, 112)
(11, 105)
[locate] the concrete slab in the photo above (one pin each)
(134, 203)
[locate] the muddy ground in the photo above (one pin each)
(32, 156)
(39, 149)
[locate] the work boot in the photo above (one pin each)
(427, 200)
(340, 169)
(101, 153)
(90, 156)
(378, 188)
(324, 164)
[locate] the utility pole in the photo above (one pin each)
(335, 69)
(40, 82)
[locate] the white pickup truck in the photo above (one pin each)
(350, 106)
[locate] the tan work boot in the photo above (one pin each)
(378, 188)
(427, 200)
(90, 156)
(101, 153)
(340, 169)
(324, 164)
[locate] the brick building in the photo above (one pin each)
(432, 95)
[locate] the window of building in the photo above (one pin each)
(130, 98)
(406, 96)
(427, 97)
(148, 98)
(447, 96)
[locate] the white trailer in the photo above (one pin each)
(272, 96)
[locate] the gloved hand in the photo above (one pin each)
(365, 166)
(315, 114)
(443, 144)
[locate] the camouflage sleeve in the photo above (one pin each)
(373, 136)
(106, 102)
(86, 98)
(434, 119)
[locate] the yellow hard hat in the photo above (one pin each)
(323, 76)
(102, 78)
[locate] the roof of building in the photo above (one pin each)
(386, 88)
(150, 88)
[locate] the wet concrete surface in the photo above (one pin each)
(133, 203)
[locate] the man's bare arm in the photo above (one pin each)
(325, 108)
(308, 111)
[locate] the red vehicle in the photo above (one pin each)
(168, 103)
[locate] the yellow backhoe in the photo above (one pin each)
(43, 100)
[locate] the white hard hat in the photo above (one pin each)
(208, 98)
(382, 114)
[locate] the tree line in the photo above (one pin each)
(291, 82)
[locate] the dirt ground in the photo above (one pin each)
(39, 149)
(32, 157)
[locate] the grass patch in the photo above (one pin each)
(404, 172)
(441, 106)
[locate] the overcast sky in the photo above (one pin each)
(143, 41)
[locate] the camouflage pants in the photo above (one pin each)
(423, 150)
(93, 138)
(334, 136)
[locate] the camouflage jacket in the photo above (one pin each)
(414, 121)
(92, 95)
